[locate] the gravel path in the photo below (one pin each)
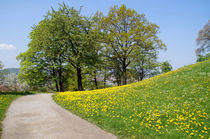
(39, 117)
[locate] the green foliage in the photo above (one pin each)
(1, 65)
(145, 65)
(82, 50)
(203, 58)
(128, 34)
(62, 39)
(32, 72)
(68, 49)
(166, 67)
(170, 105)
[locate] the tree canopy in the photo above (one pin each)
(203, 40)
(64, 37)
(166, 67)
(127, 34)
(70, 50)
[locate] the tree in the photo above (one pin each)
(2, 73)
(203, 58)
(1, 65)
(166, 67)
(62, 41)
(81, 39)
(145, 65)
(203, 40)
(12, 82)
(127, 32)
(45, 60)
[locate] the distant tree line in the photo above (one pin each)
(9, 80)
(70, 51)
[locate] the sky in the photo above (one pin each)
(179, 22)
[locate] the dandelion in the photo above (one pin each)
(147, 106)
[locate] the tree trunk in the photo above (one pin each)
(55, 80)
(118, 82)
(79, 79)
(105, 79)
(124, 71)
(56, 85)
(95, 80)
(141, 74)
(118, 79)
(117, 76)
(60, 80)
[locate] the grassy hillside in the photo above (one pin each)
(171, 105)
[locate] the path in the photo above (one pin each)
(39, 117)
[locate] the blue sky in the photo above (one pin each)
(179, 22)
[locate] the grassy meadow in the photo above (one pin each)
(6, 99)
(172, 105)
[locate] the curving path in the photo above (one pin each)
(39, 117)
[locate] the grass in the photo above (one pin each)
(171, 105)
(5, 100)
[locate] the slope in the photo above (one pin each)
(171, 105)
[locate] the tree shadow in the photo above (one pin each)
(16, 93)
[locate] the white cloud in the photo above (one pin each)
(7, 47)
